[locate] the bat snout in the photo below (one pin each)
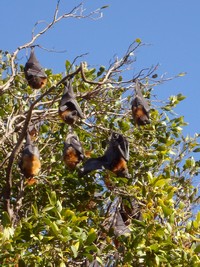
(36, 82)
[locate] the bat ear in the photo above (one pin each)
(114, 136)
(33, 132)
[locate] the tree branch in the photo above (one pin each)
(76, 12)
(9, 182)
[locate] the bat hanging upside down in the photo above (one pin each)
(73, 151)
(140, 107)
(115, 158)
(69, 109)
(30, 161)
(34, 73)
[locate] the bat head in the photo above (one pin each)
(70, 117)
(140, 116)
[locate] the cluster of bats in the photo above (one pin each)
(116, 155)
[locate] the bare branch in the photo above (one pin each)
(76, 12)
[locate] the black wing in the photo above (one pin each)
(139, 99)
(33, 67)
(68, 100)
(118, 146)
(123, 146)
(119, 226)
(30, 148)
(92, 164)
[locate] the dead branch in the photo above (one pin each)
(76, 12)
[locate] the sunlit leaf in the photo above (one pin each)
(181, 74)
(138, 40)
(103, 7)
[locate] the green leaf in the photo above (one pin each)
(91, 237)
(166, 210)
(138, 40)
(157, 260)
(154, 247)
(161, 182)
(154, 76)
(21, 263)
(74, 249)
(99, 260)
(103, 7)
(101, 70)
(52, 198)
(54, 228)
(120, 78)
(196, 150)
(150, 176)
(124, 125)
(180, 97)
(198, 217)
(195, 224)
(35, 210)
(59, 206)
(181, 74)
(189, 163)
(47, 208)
(67, 65)
(197, 249)
(5, 219)
(167, 108)
(7, 233)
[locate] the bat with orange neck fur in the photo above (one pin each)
(115, 158)
(30, 161)
(34, 73)
(69, 109)
(140, 107)
(73, 151)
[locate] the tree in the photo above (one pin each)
(98, 219)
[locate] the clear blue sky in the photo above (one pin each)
(171, 27)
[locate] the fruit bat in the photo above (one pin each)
(129, 208)
(115, 158)
(140, 107)
(119, 225)
(34, 73)
(73, 151)
(69, 109)
(115, 223)
(30, 161)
